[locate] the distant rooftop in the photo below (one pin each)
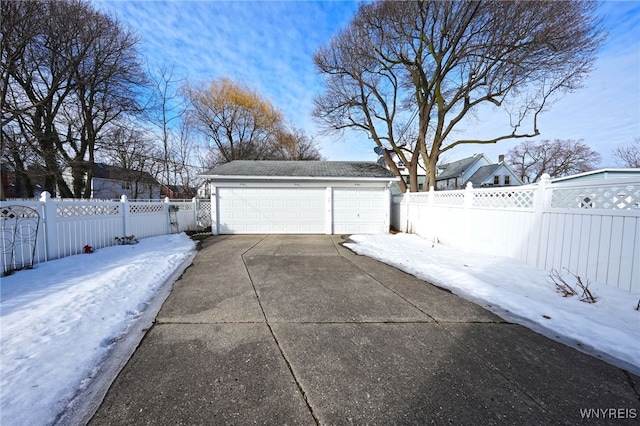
(482, 174)
(456, 168)
(302, 169)
(106, 171)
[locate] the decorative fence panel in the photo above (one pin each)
(67, 226)
(21, 238)
(591, 230)
(147, 219)
(71, 225)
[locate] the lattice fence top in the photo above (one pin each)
(448, 198)
(146, 208)
(610, 196)
(71, 210)
(417, 197)
(622, 197)
(18, 212)
(520, 199)
(185, 206)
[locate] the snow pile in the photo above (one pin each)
(60, 320)
(609, 328)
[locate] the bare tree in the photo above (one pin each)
(293, 144)
(628, 155)
(136, 157)
(34, 78)
(182, 158)
(164, 112)
(106, 84)
(238, 121)
(65, 83)
(530, 160)
(18, 33)
(243, 125)
(425, 67)
(17, 155)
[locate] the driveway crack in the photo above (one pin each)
(275, 338)
(632, 384)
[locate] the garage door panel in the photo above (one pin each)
(271, 210)
(301, 210)
(361, 210)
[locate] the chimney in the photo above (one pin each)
(500, 158)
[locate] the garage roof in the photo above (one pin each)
(299, 169)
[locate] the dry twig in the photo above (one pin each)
(566, 290)
(561, 285)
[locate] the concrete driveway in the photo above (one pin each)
(299, 330)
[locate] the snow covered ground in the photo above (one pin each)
(61, 320)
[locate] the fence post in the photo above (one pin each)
(214, 209)
(49, 226)
(467, 236)
(125, 215)
(541, 201)
(406, 197)
(194, 201)
(167, 210)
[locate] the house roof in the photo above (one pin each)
(483, 173)
(180, 188)
(299, 169)
(105, 171)
(456, 168)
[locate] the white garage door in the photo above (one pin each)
(359, 211)
(271, 210)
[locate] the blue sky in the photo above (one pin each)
(269, 45)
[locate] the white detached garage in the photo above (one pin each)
(300, 197)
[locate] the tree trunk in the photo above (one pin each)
(430, 163)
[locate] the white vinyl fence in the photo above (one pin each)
(591, 229)
(34, 231)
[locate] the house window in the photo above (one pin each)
(496, 180)
(126, 185)
(507, 180)
(420, 186)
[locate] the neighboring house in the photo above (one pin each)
(111, 182)
(178, 192)
(600, 175)
(204, 190)
(300, 197)
(478, 170)
(404, 172)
